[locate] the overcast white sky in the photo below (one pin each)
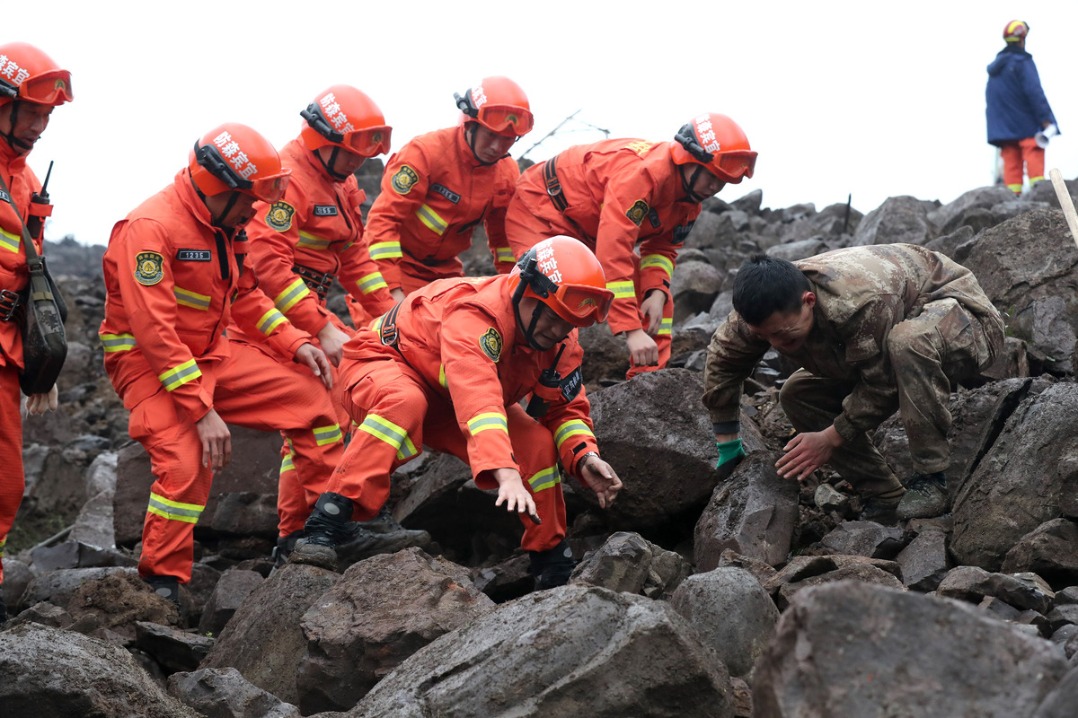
(873, 99)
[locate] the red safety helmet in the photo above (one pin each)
(562, 273)
(1016, 31)
(717, 143)
(498, 104)
(233, 157)
(344, 117)
(29, 75)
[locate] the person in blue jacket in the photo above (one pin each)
(1019, 118)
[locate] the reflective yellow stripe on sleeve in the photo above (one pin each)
(504, 254)
(10, 242)
(390, 433)
(174, 510)
(270, 321)
(431, 219)
(371, 282)
(666, 326)
(571, 428)
(117, 342)
(294, 292)
(622, 290)
(191, 299)
(386, 250)
(178, 376)
(309, 241)
(486, 421)
(657, 260)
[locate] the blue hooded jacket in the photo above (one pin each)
(1016, 107)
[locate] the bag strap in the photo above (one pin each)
(33, 259)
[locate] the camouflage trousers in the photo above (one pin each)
(929, 354)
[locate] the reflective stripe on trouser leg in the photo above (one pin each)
(13, 482)
(663, 338)
(178, 494)
(812, 403)
(388, 403)
(292, 507)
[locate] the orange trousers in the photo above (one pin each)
(12, 479)
(1022, 157)
(397, 413)
(526, 229)
(250, 389)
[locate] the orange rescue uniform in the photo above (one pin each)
(612, 195)
(173, 284)
(297, 247)
(434, 193)
(22, 184)
(451, 377)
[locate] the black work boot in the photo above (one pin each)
(552, 567)
(882, 507)
(167, 587)
(382, 534)
(326, 528)
(284, 548)
(926, 496)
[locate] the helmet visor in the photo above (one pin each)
(581, 305)
(369, 142)
(49, 88)
(734, 165)
(506, 118)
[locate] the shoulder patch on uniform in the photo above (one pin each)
(279, 216)
(637, 212)
(491, 342)
(148, 268)
(404, 180)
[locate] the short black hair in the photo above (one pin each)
(765, 285)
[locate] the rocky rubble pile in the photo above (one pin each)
(700, 592)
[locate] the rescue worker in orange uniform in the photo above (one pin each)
(175, 278)
(447, 367)
(439, 186)
(617, 194)
(307, 239)
(31, 85)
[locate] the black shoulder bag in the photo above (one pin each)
(43, 311)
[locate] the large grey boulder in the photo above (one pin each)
(898, 219)
(382, 611)
(732, 612)
(50, 672)
(564, 652)
(1028, 476)
(628, 562)
(851, 649)
(225, 693)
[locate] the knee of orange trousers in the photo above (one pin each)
(14, 480)
(168, 548)
(1011, 156)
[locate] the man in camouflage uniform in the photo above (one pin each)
(874, 329)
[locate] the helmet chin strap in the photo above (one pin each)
(469, 134)
(12, 140)
(690, 183)
(331, 164)
(529, 333)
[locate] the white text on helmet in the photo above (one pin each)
(11, 70)
(706, 134)
(479, 97)
(230, 150)
(545, 260)
(332, 110)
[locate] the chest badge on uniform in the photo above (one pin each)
(148, 270)
(404, 180)
(279, 216)
(638, 211)
(492, 344)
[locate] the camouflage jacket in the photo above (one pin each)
(862, 292)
